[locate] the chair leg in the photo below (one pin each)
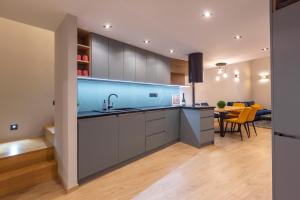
(249, 129)
(231, 127)
(246, 129)
(226, 127)
(254, 128)
(240, 132)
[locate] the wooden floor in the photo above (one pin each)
(229, 170)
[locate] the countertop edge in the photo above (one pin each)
(82, 116)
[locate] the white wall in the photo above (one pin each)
(66, 101)
(26, 79)
(261, 89)
(248, 88)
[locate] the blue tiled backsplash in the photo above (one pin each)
(92, 93)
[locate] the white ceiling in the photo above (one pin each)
(176, 24)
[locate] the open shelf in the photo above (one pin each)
(83, 50)
(83, 62)
(83, 47)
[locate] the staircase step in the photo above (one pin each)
(50, 133)
(20, 179)
(26, 159)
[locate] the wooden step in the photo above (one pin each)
(20, 179)
(22, 153)
(50, 133)
(22, 160)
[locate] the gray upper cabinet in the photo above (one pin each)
(97, 145)
(151, 69)
(140, 65)
(163, 70)
(116, 60)
(129, 63)
(172, 125)
(99, 52)
(131, 135)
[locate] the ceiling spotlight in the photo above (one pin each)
(265, 49)
(146, 41)
(225, 75)
(238, 37)
(207, 14)
(171, 51)
(217, 78)
(107, 26)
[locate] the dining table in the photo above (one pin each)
(222, 112)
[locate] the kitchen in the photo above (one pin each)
(128, 108)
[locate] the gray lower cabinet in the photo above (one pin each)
(106, 141)
(140, 65)
(131, 135)
(155, 141)
(162, 127)
(129, 63)
(97, 145)
(196, 130)
(99, 58)
(172, 125)
(116, 60)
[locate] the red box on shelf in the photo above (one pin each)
(79, 72)
(85, 72)
(85, 58)
(78, 57)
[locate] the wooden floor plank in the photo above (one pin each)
(230, 169)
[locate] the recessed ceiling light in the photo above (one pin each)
(171, 51)
(146, 41)
(238, 37)
(265, 49)
(207, 14)
(107, 26)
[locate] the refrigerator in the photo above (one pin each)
(285, 58)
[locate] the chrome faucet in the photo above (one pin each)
(109, 102)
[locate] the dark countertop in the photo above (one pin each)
(91, 114)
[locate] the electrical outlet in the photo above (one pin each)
(153, 95)
(13, 127)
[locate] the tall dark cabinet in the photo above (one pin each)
(285, 40)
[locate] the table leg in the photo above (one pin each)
(222, 132)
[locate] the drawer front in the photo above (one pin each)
(207, 137)
(155, 126)
(206, 123)
(154, 115)
(155, 141)
(206, 113)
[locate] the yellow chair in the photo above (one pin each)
(251, 118)
(236, 104)
(258, 106)
(241, 120)
(234, 114)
